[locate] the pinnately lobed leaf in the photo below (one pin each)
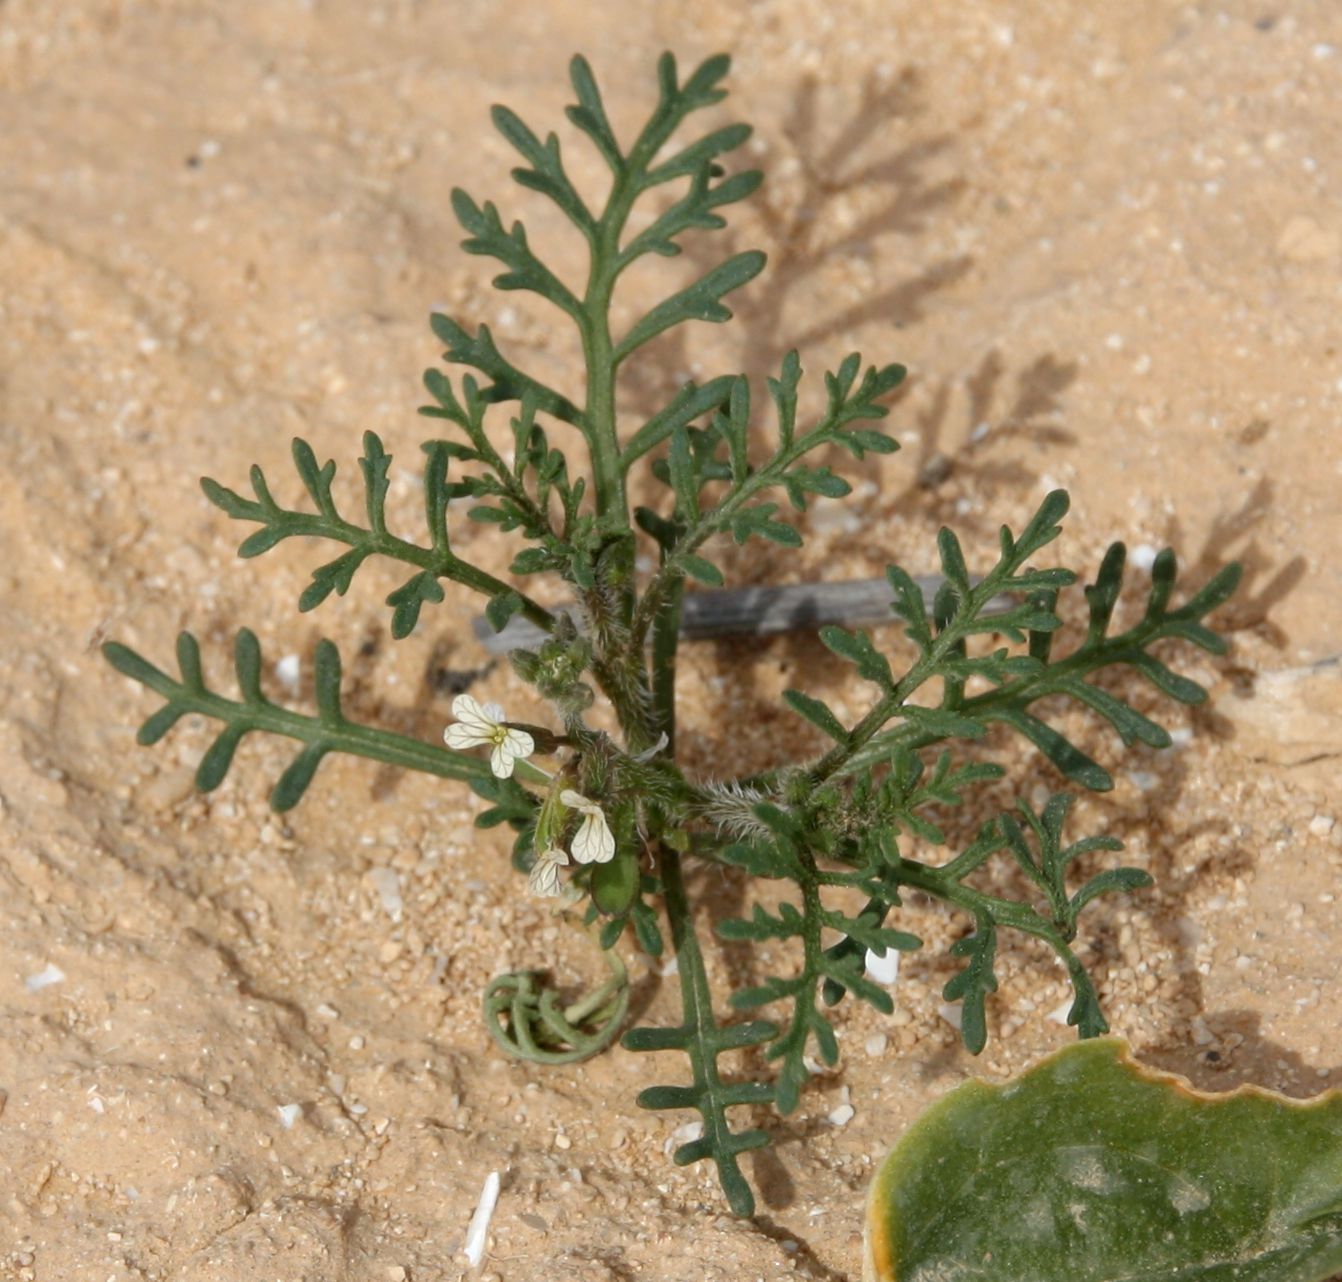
(1091, 1167)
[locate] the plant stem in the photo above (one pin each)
(603, 438)
(443, 563)
(665, 642)
(594, 1003)
(926, 877)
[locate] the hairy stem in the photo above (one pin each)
(665, 641)
(602, 432)
(671, 574)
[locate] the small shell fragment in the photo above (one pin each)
(883, 970)
(48, 975)
(477, 1232)
(289, 1114)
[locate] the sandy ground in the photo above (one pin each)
(1105, 239)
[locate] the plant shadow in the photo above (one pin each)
(810, 228)
(1239, 1053)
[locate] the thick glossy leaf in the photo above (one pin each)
(1091, 1168)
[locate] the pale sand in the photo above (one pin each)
(1110, 235)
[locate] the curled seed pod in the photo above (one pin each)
(525, 1019)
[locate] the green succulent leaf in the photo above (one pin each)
(506, 381)
(432, 563)
(858, 649)
(1090, 1167)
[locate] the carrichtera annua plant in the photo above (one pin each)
(611, 821)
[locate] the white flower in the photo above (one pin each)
(478, 725)
(544, 880)
(594, 842)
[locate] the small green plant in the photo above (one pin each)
(610, 822)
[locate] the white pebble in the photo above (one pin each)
(1321, 825)
(875, 1044)
(478, 1231)
(884, 970)
(842, 1115)
(951, 1014)
(686, 1133)
(50, 974)
(387, 883)
(287, 672)
(1060, 1013)
(289, 1114)
(1143, 556)
(832, 516)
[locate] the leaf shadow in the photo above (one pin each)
(842, 192)
(998, 410)
(1266, 584)
(810, 229)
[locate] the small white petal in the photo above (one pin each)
(501, 761)
(544, 880)
(469, 710)
(519, 743)
(493, 713)
(462, 736)
(576, 801)
(477, 1232)
(884, 970)
(594, 842)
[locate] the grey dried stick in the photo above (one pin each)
(757, 611)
